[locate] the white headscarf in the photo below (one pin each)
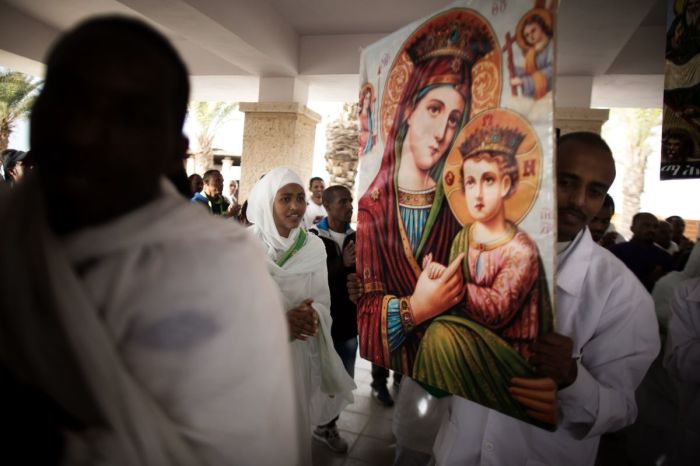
(260, 201)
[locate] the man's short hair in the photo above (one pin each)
(316, 178)
(331, 192)
(641, 214)
(609, 202)
(585, 137)
(675, 218)
(209, 174)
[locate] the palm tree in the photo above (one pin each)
(17, 95)
(342, 146)
(639, 123)
(209, 116)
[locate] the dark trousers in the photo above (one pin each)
(347, 350)
(380, 375)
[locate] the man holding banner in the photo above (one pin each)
(607, 338)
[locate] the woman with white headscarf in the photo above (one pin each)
(297, 262)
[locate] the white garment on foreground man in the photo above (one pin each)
(151, 325)
(605, 312)
(682, 360)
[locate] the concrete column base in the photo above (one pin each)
(276, 134)
(569, 120)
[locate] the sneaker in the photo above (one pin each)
(382, 395)
(332, 439)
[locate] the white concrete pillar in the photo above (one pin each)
(226, 165)
(276, 134)
(189, 166)
(283, 90)
(569, 120)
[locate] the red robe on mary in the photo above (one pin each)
(387, 267)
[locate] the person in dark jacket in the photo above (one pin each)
(339, 239)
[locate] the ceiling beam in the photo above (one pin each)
(592, 33)
(263, 43)
(24, 35)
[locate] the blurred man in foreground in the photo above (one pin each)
(107, 308)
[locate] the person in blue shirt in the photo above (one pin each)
(212, 195)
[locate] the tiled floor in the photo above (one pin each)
(365, 424)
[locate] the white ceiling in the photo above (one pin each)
(328, 17)
(228, 44)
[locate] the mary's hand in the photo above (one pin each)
(432, 297)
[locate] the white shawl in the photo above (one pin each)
(183, 369)
(665, 287)
(321, 378)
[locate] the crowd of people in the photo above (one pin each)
(146, 326)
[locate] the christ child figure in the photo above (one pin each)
(501, 266)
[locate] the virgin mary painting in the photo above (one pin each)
(403, 215)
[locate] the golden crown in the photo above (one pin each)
(492, 139)
(465, 38)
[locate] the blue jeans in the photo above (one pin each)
(347, 350)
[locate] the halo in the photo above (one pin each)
(543, 13)
(486, 72)
(366, 87)
(529, 157)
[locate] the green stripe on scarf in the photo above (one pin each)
(294, 248)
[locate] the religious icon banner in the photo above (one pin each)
(680, 137)
(456, 223)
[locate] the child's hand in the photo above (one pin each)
(435, 270)
(432, 269)
(433, 297)
(427, 259)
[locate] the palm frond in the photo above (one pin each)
(210, 116)
(18, 93)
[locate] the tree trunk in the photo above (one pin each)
(342, 148)
(203, 162)
(633, 187)
(5, 132)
